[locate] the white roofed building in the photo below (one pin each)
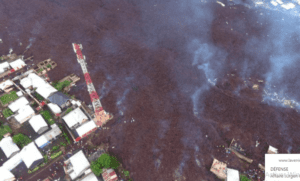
(90, 176)
(17, 64)
(54, 108)
(13, 162)
(272, 150)
(46, 90)
(4, 66)
(76, 165)
(38, 124)
(6, 84)
(16, 105)
(31, 156)
(19, 93)
(86, 128)
(75, 117)
(6, 175)
(232, 175)
(41, 141)
(24, 114)
(9, 147)
(36, 80)
(26, 82)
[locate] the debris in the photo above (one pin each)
(257, 143)
(255, 87)
(221, 3)
(219, 169)
(260, 80)
(261, 167)
(272, 150)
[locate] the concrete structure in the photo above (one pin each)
(232, 175)
(9, 147)
(75, 118)
(31, 156)
(272, 150)
(86, 129)
(6, 175)
(17, 64)
(24, 114)
(59, 99)
(219, 169)
(17, 104)
(76, 165)
(38, 124)
(13, 162)
(109, 175)
(54, 108)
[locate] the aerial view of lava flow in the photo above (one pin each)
(182, 78)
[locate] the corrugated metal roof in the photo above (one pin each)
(24, 112)
(16, 105)
(46, 90)
(59, 98)
(232, 175)
(5, 84)
(54, 108)
(74, 117)
(86, 127)
(6, 175)
(30, 154)
(41, 141)
(13, 162)
(37, 122)
(8, 146)
(79, 163)
(17, 64)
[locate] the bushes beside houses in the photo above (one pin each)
(21, 140)
(7, 112)
(47, 116)
(104, 161)
(4, 129)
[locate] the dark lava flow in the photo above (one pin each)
(151, 61)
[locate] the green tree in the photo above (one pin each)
(104, 161)
(244, 178)
(21, 140)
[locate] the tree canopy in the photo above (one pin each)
(104, 161)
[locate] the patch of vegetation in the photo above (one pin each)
(9, 97)
(7, 112)
(38, 96)
(54, 148)
(49, 66)
(55, 155)
(40, 70)
(245, 178)
(67, 138)
(60, 85)
(63, 144)
(21, 140)
(36, 168)
(73, 96)
(69, 110)
(47, 116)
(104, 161)
(126, 173)
(4, 129)
(46, 158)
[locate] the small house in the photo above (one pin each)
(24, 114)
(45, 139)
(31, 156)
(54, 108)
(13, 162)
(86, 128)
(219, 169)
(17, 64)
(42, 141)
(38, 124)
(17, 104)
(59, 99)
(75, 118)
(4, 66)
(76, 165)
(89, 176)
(9, 147)
(232, 175)
(6, 86)
(272, 150)
(6, 175)
(109, 175)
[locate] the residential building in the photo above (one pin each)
(232, 175)
(38, 124)
(6, 86)
(4, 66)
(17, 104)
(17, 64)
(85, 129)
(6, 175)
(59, 99)
(89, 176)
(54, 108)
(47, 137)
(46, 90)
(109, 175)
(219, 169)
(24, 114)
(9, 147)
(272, 150)
(75, 118)
(76, 165)
(13, 162)
(31, 156)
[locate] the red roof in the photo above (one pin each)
(78, 51)
(12, 70)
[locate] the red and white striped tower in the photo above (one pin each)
(101, 117)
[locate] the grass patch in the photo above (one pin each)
(40, 70)
(46, 158)
(55, 155)
(67, 138)
(4, 129)
(244, 178)
(69, 110)
(21, 140)
(39, 97)
(47, 116)
(7, 112)
(9, 97)
(60, 85)
(49, 66)
(54, 148)
(126, 173)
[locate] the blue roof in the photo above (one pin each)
(58, 98)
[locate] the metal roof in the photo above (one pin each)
(30, 154)
(37, 122)
(59, 98)
(8, 146)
